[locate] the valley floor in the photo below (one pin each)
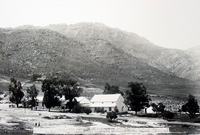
(26, 121)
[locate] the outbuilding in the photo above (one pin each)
(83, 101)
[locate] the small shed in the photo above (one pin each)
(83, 101)
(40, 102)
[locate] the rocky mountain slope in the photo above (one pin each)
(95, 54)
(171, 61)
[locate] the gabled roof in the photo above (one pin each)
(78, 99)
(105, 98)
(82, 100)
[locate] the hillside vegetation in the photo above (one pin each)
(96, 54)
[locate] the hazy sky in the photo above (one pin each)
(167, 23)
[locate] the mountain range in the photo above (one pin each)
(96, 54)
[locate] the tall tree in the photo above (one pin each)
(191, 106)
(32, 94)
(71, 89)
(15, 91)
(114, 89)
(137, 97)
(51, 93)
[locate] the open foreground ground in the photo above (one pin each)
(25, 121)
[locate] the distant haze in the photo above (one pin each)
(167, 23)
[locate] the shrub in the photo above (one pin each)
(168, 115)
(100, 110)
(77, 108)
(111, 115)
(87, 110)
(116, 109)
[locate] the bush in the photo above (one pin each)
(77, 109)
(100, 110)
(168, 115)
(111, 115)
(116, 109)
(87, 110)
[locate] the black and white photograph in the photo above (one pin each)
(99, 67)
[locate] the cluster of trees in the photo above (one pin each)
(17, 95)
(54, 87)
(112, 89)
(57, 86)
(137, 99)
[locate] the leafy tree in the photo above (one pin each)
(51, 93)
(71, 90)
(137, 97)
(32, 94)
(15, 91)
(191, 106)
(112, 89)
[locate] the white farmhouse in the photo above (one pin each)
(108, 102)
